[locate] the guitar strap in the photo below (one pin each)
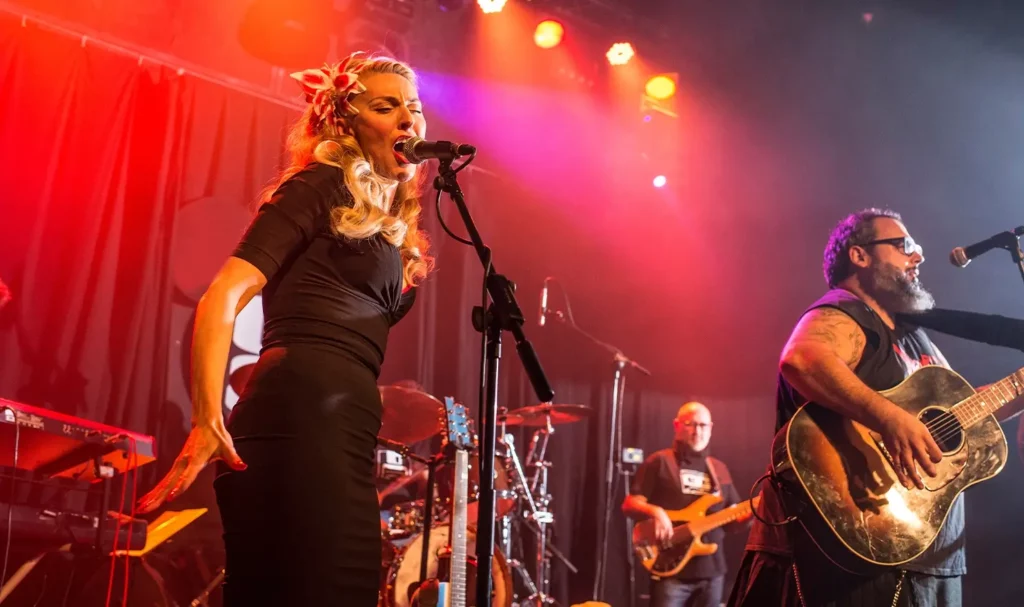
(673, 467)
(716, 483)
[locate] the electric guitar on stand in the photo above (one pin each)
(449, 589)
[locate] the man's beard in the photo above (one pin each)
(896, 292)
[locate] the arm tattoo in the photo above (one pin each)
(839, 332)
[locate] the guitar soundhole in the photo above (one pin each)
(945, 429)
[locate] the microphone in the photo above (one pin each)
(961, 256)
(417, 150)
(543, 303)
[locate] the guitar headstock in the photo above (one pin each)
(457, 431)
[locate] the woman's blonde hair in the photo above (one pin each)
(312, 139)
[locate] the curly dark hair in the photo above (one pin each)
(856, 228)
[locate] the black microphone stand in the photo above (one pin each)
(503, 314)
(1018, 256)
(614, 463)
(1010, 240)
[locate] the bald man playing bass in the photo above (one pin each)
(672, 479)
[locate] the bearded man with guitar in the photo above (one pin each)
(677, 481)
(876, 440)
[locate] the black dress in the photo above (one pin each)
(301, 523)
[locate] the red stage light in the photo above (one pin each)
(660, 87)
(548, 34)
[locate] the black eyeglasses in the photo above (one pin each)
(905, 244)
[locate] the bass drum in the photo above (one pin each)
(404, 574)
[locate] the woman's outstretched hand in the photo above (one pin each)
(206, 443)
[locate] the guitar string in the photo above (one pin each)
(949, 420)
(948, 425)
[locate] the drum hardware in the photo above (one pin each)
(432, 463)
(543, 516)
(516, 474)
(522, 502)
(406, 519)
(535, 502)
(524, 575)
(202, 599)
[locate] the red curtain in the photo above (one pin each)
(123, 184)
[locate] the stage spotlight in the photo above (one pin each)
(620, 53)
(660, 181)
(491, 6)
(660, 87)
(548, 34)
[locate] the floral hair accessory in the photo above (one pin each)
(328, 89)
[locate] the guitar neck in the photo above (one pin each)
(458, 537)
(982, 404)
(723, 517)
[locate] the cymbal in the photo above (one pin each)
(240, 376)
(537, 415)
(409, 415)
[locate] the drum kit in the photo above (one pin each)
(414, 508)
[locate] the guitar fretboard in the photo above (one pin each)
(459, 521)
(982, 404)
(716, 520)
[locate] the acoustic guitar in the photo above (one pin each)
(838, 478)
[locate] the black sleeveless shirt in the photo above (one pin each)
(890, 356)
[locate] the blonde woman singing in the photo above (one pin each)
(336, 250)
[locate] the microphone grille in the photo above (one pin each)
(409, 149)
(959, 258)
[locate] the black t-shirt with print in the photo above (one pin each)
(889, 357)
(675, 478)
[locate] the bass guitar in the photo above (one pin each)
(667, 558)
